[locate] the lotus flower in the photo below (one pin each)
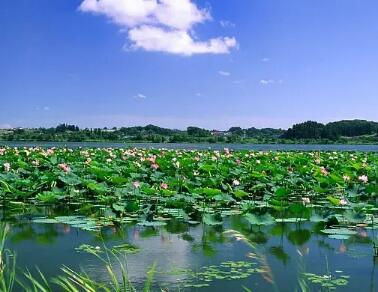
(152, 159)
(35, 162)
(50, 151)
(236, 182)
(346, 178)
(7, 167)
(363, 178)
(306, 200)
(164, 186)
(324, 171)
(343, 202)
(64, 167)
(176, 164)
(155, 166)
(136, 184)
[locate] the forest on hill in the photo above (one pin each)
(345, 131)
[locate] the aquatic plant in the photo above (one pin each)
(123, 182)
(70, 280)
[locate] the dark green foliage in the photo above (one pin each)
(354, 131)
(306, 130)
(332, 131)
(197, 132)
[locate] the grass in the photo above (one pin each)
(13, 279)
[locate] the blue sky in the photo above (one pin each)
(175, 63)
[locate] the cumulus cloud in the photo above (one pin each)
(224, 73)
(151, 38)
(160, 25)
(265, 59)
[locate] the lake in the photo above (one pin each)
(257, 222)
(197, 257)
(201, 146)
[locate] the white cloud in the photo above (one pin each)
(162, 26)
(224, 73)
(270, 81)
(140, 96)
(266, 82)
(46, 108)
(199, 94)
(226, 23)
(151, 38)
(265, 59)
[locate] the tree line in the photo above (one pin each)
(332, 131)
(310, 131)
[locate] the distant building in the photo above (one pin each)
(218, 133)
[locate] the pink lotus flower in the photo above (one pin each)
(152, 159)
(7, 167)
(363, 178)
(136, 184)
(238, 161)
(2, 151)
(64, 167)
(346, 178)
(50, 151)
(164, 186)
(155, 166)
(324, 171)
(226, 150)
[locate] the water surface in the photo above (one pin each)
(202, 146)
(283, 251)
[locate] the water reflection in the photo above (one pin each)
(280, 252)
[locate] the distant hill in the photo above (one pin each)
(345, 131)
(333, 131)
